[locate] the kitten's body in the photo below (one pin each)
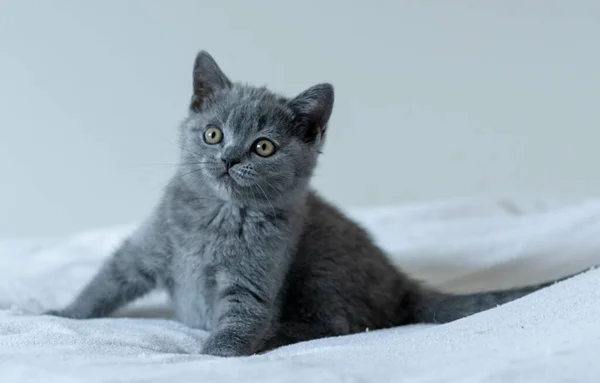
(246, 250)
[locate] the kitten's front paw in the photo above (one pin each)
(215, 347)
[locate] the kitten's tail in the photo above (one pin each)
(437, 307)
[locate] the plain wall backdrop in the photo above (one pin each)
(434, 99)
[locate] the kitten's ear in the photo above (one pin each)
(312, 109)
(208, 78)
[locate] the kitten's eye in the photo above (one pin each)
(213, 135)
(264, 147)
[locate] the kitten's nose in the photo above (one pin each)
(230, 162)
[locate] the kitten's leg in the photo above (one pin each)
(244, 317)
(316, 311)
(121, 279)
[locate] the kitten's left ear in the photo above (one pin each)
(208, 78)
(312, 109)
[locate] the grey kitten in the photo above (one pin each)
(246, 249)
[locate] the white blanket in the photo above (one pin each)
(552, 335)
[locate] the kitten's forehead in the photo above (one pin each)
(247, 109)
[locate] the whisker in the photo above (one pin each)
(177, 163)
(183, 148)
(253, 195)
(191, 172)
(274, 189)
(268, 200)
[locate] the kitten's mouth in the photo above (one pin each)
(226, 178)
(231, 182)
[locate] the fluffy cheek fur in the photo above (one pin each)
(267, 178)
(294, 170)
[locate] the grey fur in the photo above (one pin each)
(247, 250)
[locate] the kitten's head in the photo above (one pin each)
(248, 144)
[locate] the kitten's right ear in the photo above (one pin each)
(208, 78)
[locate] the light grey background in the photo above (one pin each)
(435, 99)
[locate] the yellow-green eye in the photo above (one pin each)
(213, 135)
(264, 147)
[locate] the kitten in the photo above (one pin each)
(246, 249)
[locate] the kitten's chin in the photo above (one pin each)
(228, 181)
(227, 187)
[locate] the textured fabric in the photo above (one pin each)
(460, 245)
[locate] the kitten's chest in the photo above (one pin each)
(205, 258)
(192, 288)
